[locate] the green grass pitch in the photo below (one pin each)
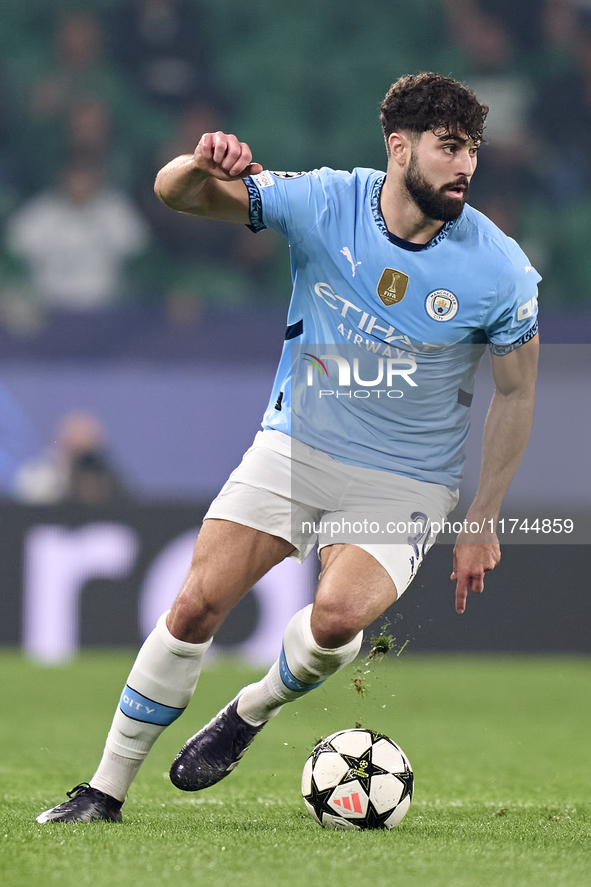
(501, 749)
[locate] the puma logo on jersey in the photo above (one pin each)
(347, 254)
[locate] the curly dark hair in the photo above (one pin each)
(417, 103)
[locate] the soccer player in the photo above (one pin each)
(399, 281)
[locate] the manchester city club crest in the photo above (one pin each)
(441, 305)
(392, 286)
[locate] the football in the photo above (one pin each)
(357, 779)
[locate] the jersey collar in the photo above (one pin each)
(376, 193)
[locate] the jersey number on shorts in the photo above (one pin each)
(419, 542)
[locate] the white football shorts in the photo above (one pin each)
(288, 489)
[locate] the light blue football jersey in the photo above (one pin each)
(383, 335)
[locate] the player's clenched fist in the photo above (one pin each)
(224, 157)
(203, 182)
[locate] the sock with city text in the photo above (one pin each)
(158, 689)
(301, 667)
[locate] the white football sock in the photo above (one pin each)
(302, 666)
(159, 688)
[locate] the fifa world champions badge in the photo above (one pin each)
(392, 286)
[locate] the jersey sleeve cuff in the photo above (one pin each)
(255, 206)
(506, 349)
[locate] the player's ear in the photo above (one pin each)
(399, 147)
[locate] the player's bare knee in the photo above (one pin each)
(333, 626)
(196, 618)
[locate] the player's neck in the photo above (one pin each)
(402, 216)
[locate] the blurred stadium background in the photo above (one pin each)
(137, 346)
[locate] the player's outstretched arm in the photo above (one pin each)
(506, 433)
(209, 181)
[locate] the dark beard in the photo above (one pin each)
(433, 202)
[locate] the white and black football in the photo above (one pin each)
(357, 779)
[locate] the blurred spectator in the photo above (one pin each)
(199, 260)
(495, 72)
(182, 236)
(89, 135)
(561, 219)
(163, 46)
(506, 172)
(524, 20)
(76, 469)
(76, 239)
(77, 95)
(562, 117)
(559, 23)
(78, 65)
